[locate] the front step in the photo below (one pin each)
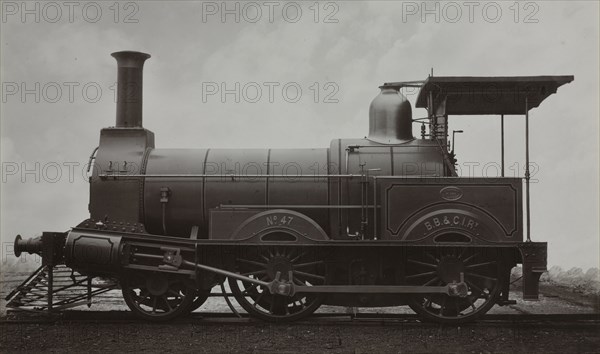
(55, 288)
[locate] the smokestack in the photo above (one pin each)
(129, 88)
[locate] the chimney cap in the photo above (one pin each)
(130, 58)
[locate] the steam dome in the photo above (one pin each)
(390, 117)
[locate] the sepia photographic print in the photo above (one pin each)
(300, 176)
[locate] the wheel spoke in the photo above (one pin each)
(481, 276)
(297, 281)
(154, 301)
(247, 261)
(300, 255)
(301, 279)
(272, 305)
(135, 296)
(429, 265)
(253, 285)
(301, 265)
(420, 275)
(443, 305)
(472, 303)
(433, 258)
(258, 272)
(466, 260)
(471, 284)
(480, 264)
(258, 298)
(433, 280)
(309, 275)
(167, 302)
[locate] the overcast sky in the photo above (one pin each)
(347, 48)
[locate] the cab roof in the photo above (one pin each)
(480, 95)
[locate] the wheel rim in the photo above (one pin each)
(199, 299)
(481, 273)
(264, 265)
(157, 296)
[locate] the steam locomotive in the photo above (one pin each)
(378, 221)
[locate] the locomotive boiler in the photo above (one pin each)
(380, 221)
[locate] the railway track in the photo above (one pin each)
(113, 310)
(207, 318)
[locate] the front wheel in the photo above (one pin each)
(156, 296)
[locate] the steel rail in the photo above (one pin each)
(22, 316)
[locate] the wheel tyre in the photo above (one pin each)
(415, 303)
(199, 300)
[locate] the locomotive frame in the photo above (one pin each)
(169, 225)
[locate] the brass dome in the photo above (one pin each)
(390, 117)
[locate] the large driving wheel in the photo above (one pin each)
(480, 270)
(264, 264)
(157, 296)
